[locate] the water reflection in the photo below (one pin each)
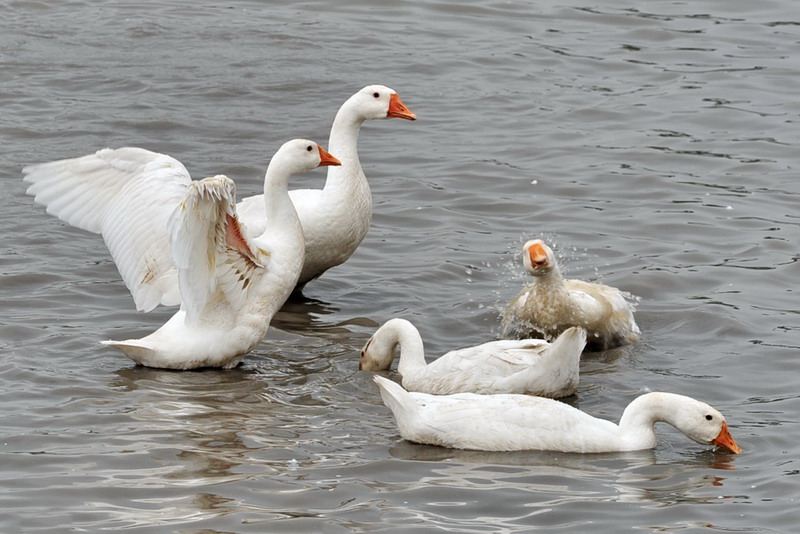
(211, 423)
(637, 476)
(160, 380)
(299, 312)
(312, 317)
(414, 451)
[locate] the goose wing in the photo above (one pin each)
(127, 195)
(210, 248)
(504, 356)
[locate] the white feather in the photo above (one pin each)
(127, 195)
(531, 366)
(521, 422)
(206, 260)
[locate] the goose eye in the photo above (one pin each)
(309, 148)
(709, 417)
(376, 95)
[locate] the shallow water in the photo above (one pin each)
(655, 143)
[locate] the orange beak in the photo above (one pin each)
(537, 254)
(326, 158)
(726, 441)
(398, 110)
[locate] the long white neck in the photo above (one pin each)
(412, 351)
(343, 143)
(280, 212)
(637, 424)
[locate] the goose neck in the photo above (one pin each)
(550, 284)
(637, 423)
(345, 128)
(343, 143)
(412, 350)
(277, 203)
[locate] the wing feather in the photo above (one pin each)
(210, 249)
(127, 195)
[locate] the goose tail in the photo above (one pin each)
(397, 399)
(135, 349)
(569, 345)
(557, 372)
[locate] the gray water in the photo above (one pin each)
(654, 142)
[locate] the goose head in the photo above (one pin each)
(704, 424)
(380, 102)
(301, 155)
(377, 354)
(696, 419)
(538, 258)
(379, 350)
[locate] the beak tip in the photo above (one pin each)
(725, 441)
(398, 110)
(327, 159)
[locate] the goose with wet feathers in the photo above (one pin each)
(551, 304)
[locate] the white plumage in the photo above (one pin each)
(531, 366)
(230, 284)
(336, 218)
(127, 195)
(523, 422)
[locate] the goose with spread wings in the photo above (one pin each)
(178, 241)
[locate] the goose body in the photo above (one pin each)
(531, 366)
(230, 284)
(552, 304)
(523, 422)
(336, 218)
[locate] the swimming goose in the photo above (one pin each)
(531, 366)
(230, 284)
(552, 304)
(523, 422)
(336, 218)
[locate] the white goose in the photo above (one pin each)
(230, 284)
(336, 218)
(552, 304)
(522, 422)
(531, 366)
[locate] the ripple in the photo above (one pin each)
(655, 147)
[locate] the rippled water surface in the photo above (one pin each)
(654, 142)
